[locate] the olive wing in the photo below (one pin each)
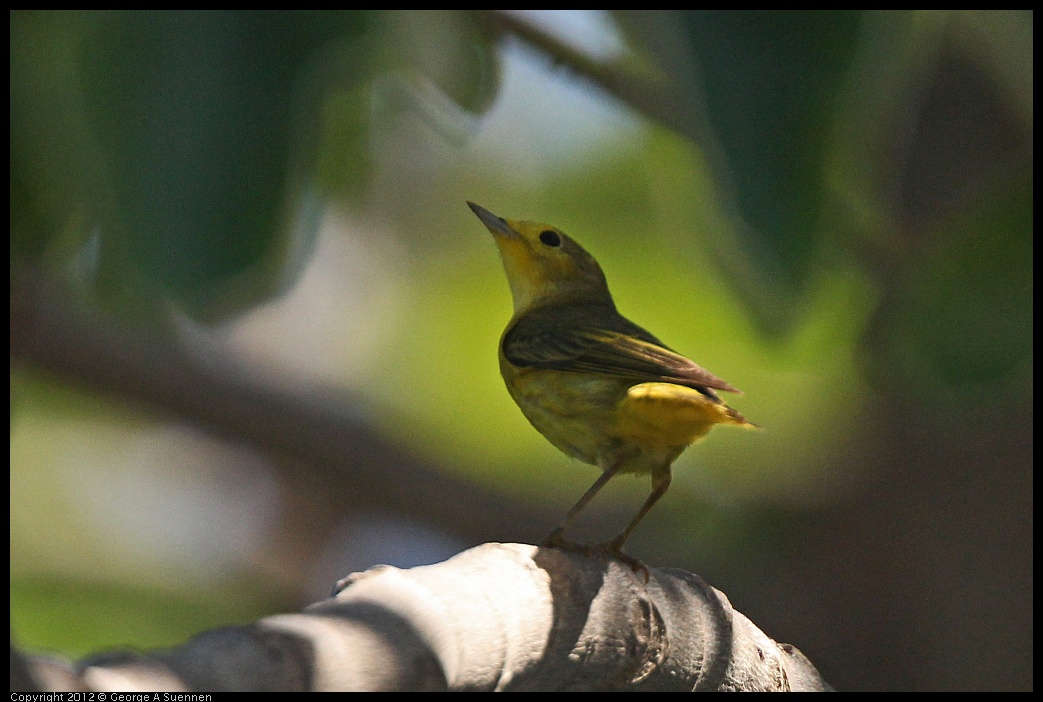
(600, 340)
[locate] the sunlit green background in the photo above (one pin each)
(831, 210)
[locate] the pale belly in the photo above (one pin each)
(612, 422)
(573, 411)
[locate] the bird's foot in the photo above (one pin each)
(556, 540)
(614, 549)
(609, 549)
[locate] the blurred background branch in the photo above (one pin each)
(316, 435)
(643, 86)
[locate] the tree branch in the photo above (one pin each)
(644, 88)
(496, 617)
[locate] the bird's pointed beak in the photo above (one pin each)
(493, 223)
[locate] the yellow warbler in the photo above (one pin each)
(596, 385)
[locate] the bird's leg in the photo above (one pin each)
(660, 484)
(554, 539)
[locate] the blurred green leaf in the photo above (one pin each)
(769, 81)
(174, 133)
(762, 86)
(55, 168)
(196, 112)
(449, 48)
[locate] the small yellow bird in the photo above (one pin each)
(596, 385)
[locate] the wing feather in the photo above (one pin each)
(597, 339)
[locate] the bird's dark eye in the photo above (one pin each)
(550, 237)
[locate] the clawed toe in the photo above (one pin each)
(555, 540)
(610, 549)
(635, 565)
